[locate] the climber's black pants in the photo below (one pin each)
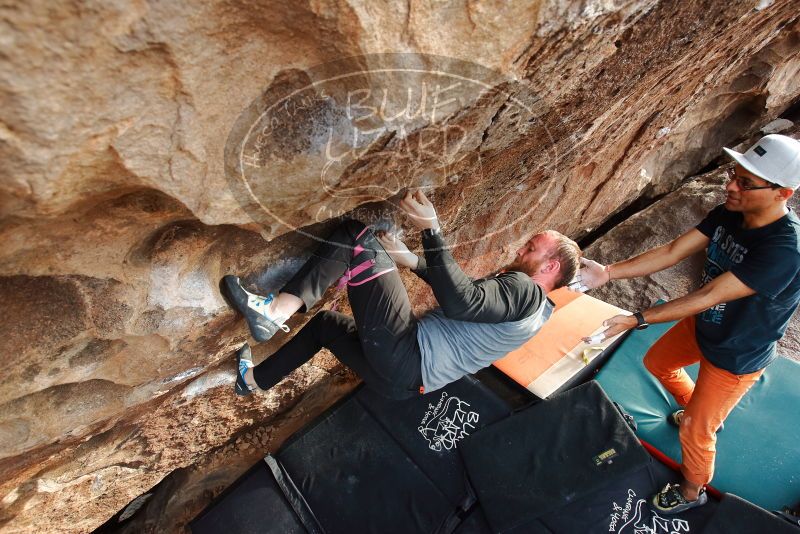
(379, 342)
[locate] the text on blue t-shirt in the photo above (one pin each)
(740, 336)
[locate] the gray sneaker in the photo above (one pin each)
(670, 500)
(253, 307)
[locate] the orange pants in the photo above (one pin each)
(707, 403)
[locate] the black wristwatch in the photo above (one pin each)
(642, 324)
(430, 232)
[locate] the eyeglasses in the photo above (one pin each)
(747, 186)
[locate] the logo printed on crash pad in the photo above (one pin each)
(446, 423)
(635, 517)
(606, 457)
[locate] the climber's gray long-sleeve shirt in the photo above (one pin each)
(478, 321)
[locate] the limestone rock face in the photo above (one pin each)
(663, 221)
(126, 127)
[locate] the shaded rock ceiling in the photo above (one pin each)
(123, 131)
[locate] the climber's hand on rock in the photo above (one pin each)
(420, 210)
(615, 325)
(591, 275)
(397, 250)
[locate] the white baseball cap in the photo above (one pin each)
(775, 158)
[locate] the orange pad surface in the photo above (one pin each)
(556, 353)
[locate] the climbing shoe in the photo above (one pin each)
(244, 361)
(254, 308)
(676, 417)
(670, 500)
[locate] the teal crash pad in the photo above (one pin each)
(758, 452)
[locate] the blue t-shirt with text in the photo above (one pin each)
(740, 336)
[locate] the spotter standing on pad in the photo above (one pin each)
(751, 288)
(395, 354)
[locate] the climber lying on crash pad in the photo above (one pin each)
(395, 354)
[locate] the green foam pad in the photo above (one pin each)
(757, 452)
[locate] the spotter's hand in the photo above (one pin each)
(591, 276)
(615, 325)
(397, 250)
(420, 210)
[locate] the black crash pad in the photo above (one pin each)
(374, 465)
(550, 455)
(474, 522)
(621, 506)
(368, 464)
(430, 428)
(618, 507)
(253, 504)
(355, 478)
(738, 516)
